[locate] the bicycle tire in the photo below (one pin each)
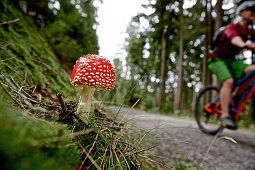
(214, 125)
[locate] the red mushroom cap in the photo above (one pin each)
(94, 71)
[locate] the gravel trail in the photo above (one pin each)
(179, 140)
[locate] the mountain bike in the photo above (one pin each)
(208, 107)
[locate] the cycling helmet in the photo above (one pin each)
(246, 5)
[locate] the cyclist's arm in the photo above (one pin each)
(238, 41)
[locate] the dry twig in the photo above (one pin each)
(89, 151)
(91, 159)
(10, 22)
(129, 110)
(210, 145)
(143, 150)
(7, 92)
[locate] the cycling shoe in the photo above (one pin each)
(228, 122)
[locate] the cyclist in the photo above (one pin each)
(222, 60)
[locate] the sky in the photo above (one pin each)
(113, 19)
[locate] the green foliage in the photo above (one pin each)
(72, 34)
(24, 145)
(135, 47)
(63, 45)
(69, 26)
(27, 57)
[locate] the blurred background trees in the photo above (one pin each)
(167, 60)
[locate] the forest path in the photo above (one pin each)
(179, 140)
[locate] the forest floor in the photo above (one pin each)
(180, 141)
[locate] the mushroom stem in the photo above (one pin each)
(85, 100)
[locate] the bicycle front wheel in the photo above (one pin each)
(207, 110)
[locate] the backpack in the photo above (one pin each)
(216, 38)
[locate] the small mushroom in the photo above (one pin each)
(91, 72)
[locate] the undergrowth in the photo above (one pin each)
(27, 143)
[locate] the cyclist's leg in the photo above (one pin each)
(220, 68)
(225, 95)
(249, 69)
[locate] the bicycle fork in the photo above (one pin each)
(212, 108)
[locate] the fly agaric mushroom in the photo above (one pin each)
(91, 72)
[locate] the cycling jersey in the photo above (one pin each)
(225, 49)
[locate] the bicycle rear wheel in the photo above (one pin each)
(207, 110)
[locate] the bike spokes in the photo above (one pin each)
(208, 110)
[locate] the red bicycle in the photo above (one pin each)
(208, 107)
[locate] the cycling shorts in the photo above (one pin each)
(227, 68)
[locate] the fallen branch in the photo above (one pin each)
(9, 22)
(4, 46)
(25, 98)
(66, 113)
(7, 92)
(25, 95)
(20, 88)
(61, 101)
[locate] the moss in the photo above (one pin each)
(31, 55)
(26, 148)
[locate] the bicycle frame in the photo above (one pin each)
(248, 81)
(250, 78)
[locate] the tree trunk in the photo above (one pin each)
(206, 74)
(197, 68)
(218, 24)
(179, 68)
(219, 17)
(163, 70)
